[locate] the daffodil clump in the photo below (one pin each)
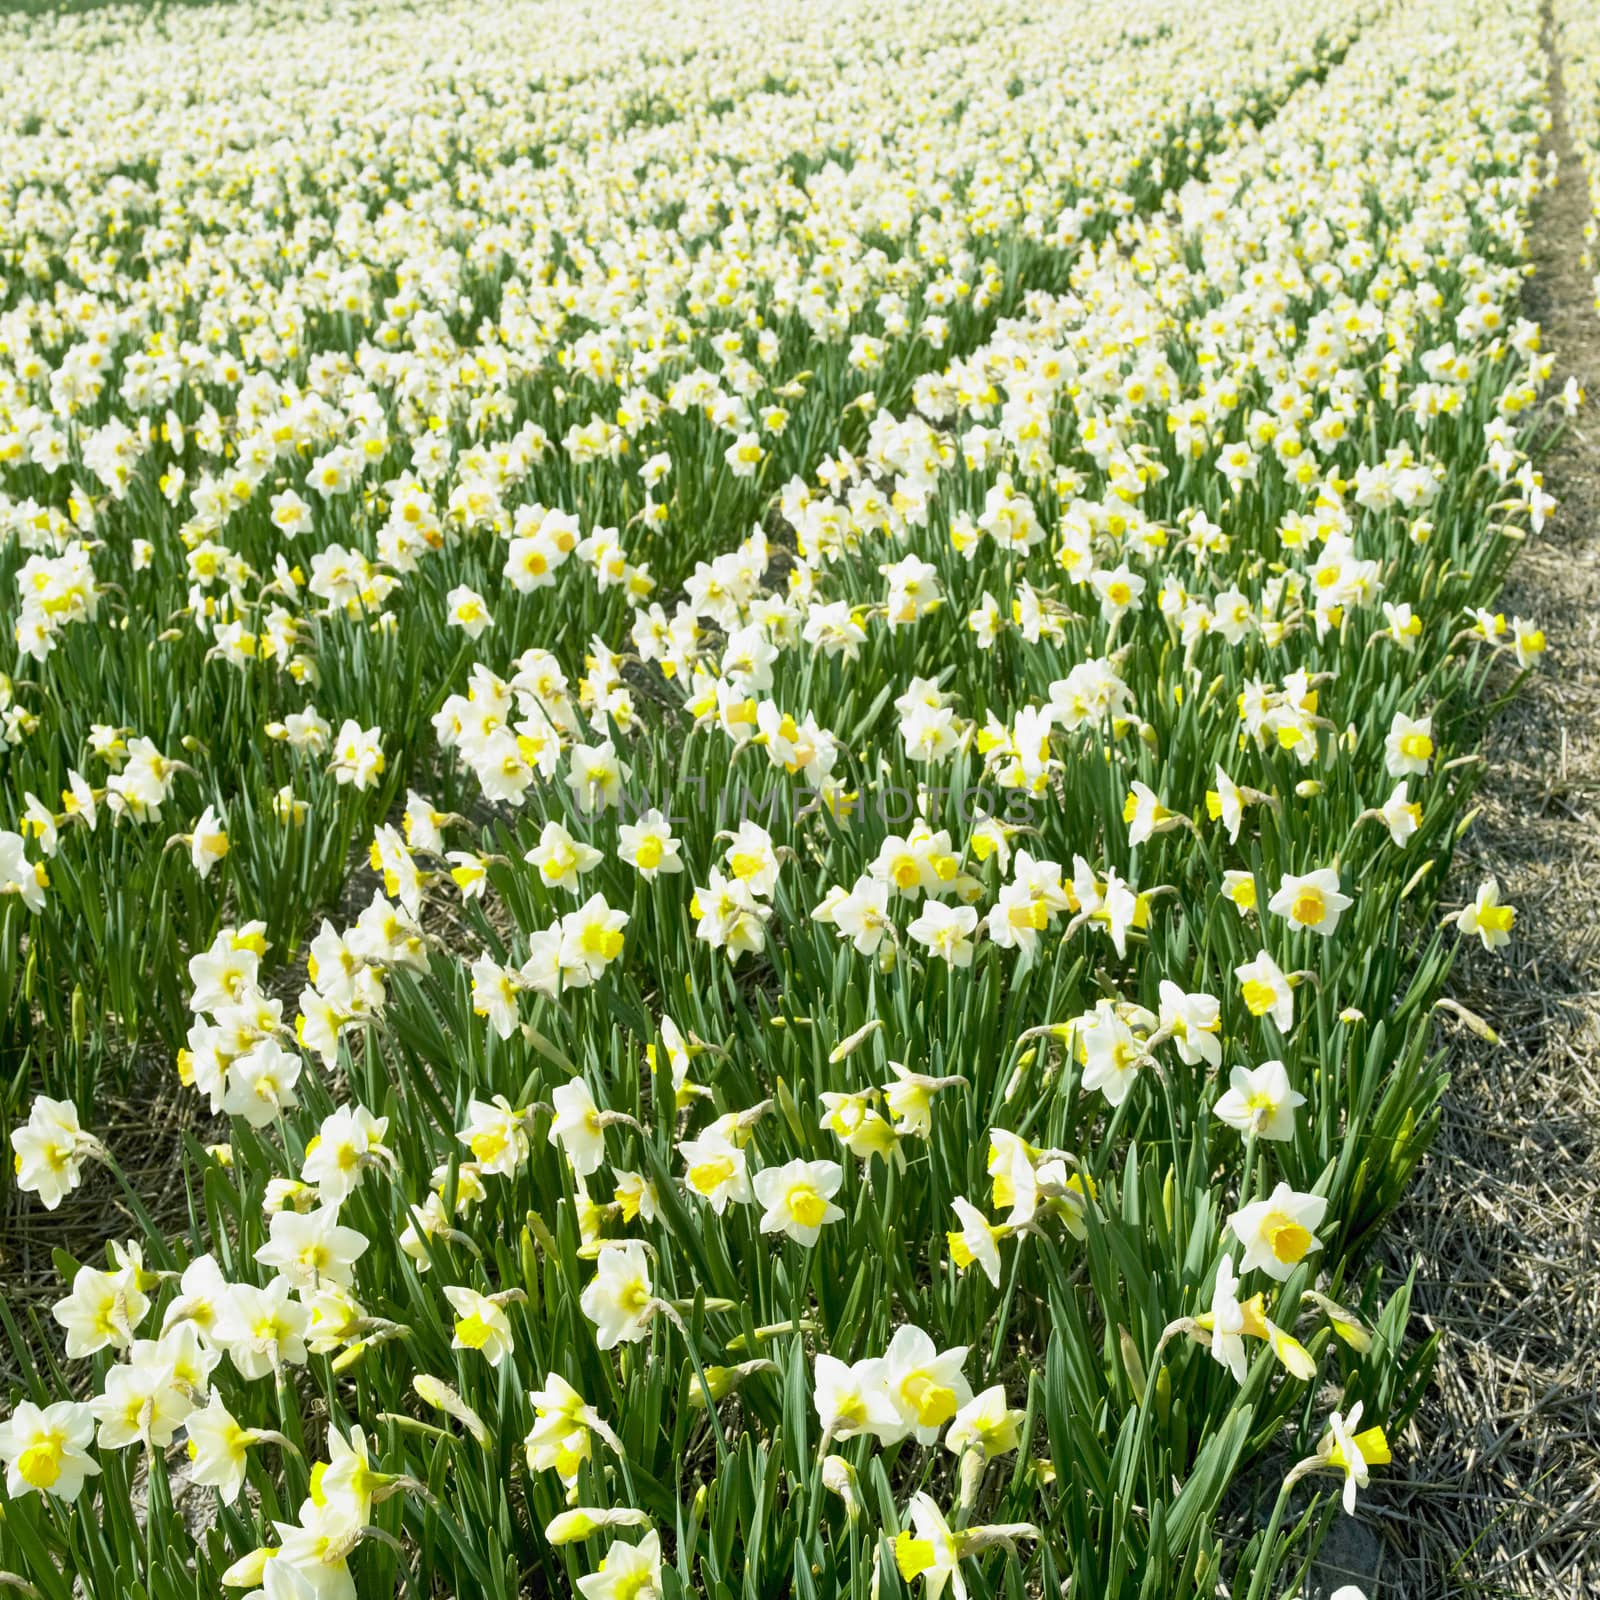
(770, 708)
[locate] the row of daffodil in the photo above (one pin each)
(1577, 37)
(926, 1060)
(303, 392)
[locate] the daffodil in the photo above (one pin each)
(1112, 1053)
(577, 1128)
(481, 1324)
(859, 1126)
(1311, 900)
(1267, 991)
(931, 1550)
(925, 1385)
(1260, 1101)
(946, 931)
(50, 1150)
(101, 1312)
(649, 846)
(1146, 816)
(854, 1399)
(21, 877)
(45, 1449)
(349, 1142)
(317, 1549)
(620, 1300)
(985, 1425)
(596, 776)
(798, 1197)
(1345, 1449)
(1488, 917)
(496, 1135)
(313, 1248)
(141, 1402)
(1193, 1022)
(583, 1522)
(909, 1096)
(218, 1449)
(1240, 888)
(1230, 1321)
(1278, 1233)
(715, 1168)
(563, 1421)
(262, 1329)
(592, 938)
(561, 859)
(208, 843)
(1408, 746)
(627, 1572)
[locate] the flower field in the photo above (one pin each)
(770, 711)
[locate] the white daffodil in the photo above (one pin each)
(619, 1299)
(1278, 1233)
(312, 1249)
(50, 1149)
(1353, 1452)
(577, 1128)
(1311, 900)
(1267, 991)
(985, 1425)
(45, 1448)
(854, 1399)
(1408, 746)
(561, 859)
(1488, 917)
(217, 1448)
(798, 1197)
(925, 1385)
(628, 1572)
(1260, 1101)
(481, 1324)
(976, 1240)
(1193, 1021)
(715, 1169)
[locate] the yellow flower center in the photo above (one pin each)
(706, 1176)
(851, 1410)
(1258, 997)
(40, 1463)
(933, 1404)
(474, 1332)
(1285, 1237)
(912, 1556)
(487, 1145)
(1309, 908)
(599, 940)
(806, 1206)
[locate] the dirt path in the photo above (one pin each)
(1501, 1478)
